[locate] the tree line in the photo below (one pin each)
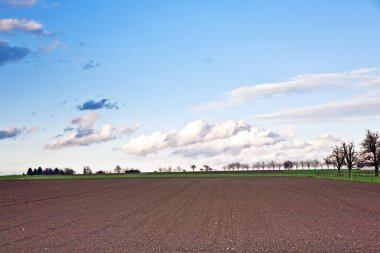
(118, 169)
(273, 165)
(346, 155)
(50, 171)
(341, 156)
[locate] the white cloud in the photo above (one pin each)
(365, 78)
(128, 130)
(194, 132)
(18, 3)
(352, 109)
(52, 46)
(85, 121)
(85, 134)
(83, 139)
(230, 141)
(13, 24)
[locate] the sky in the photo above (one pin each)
(149, 84)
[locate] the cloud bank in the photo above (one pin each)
(365, 78)
(96, 105)
(230, 141)
(84, 133)
(353, 109)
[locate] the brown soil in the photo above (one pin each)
(189, 215)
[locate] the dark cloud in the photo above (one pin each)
(91, 64)
(17, 133)
(68, 129)
(95, 105)
(11, 54)
(83, 132)
(9, 133)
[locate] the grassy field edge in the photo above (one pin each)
(294, 173)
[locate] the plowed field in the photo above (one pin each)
(189, 215)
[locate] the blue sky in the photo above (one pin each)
(158, 83)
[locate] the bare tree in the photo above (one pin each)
(234, 166)
(117, 169)
(337, 157)
(263, 165)
(308, 164)
(315, 164)
(255, 165)
(351, 157)
(272, 164)
(371, 149)
(327, 161)
(87, 170)
(296, 164)
(288, 165)
(302, 163)
(207, 168)
(193, 167)
(245, 166)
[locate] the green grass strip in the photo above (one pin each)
(370, 178)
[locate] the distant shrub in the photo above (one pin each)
(68, 171)
(133, 171)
